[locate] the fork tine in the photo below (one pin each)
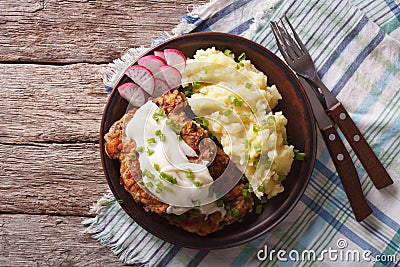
(284, 42)
(300, 43)
(279, 41)
(293, 45)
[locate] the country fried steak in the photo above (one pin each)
(174, 105)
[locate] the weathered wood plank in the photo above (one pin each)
(41, 240)
(63, 179)
(42, 103)
(82, 31)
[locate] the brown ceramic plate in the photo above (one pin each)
(300, 129)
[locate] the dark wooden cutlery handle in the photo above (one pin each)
(347, 173)
(368, 159)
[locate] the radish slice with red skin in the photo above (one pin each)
(142, 76)
(161, 87)
(172, 76)
(175, 58)
(153, 63)
(133, 93)
(159, 54)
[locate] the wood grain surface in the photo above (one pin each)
(51, 103)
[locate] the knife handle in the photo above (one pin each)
(347, 173)
(368, 159)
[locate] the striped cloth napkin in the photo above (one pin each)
(356, 48)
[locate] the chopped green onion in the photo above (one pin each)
(263, 200)
(242, 56)
(261, 189)
(189, 173)
(243, 178)
(168, 189)
(159, 184)
(197, 183)
(237, 66)
(282, 178)
(241, 64)
(162, 138)
(247, 157)
(220, 203)
(147, 173)
(259, 209)
(149, 184)
(168, 177)
(256, 128)
(196, 84)
(140, 149)
(196, 203)
(158, 190)
(202, 121)
(157, 114)
(175, 127)
(232, 99)
(248, 85)
(120, 201)
(149, 151)
(210, 134)
(227, 52)
(156, 167)
(141, 183)
(256, 164)
(151, 141)
(228, 207)
(257, 147)
(134, 156)
(247, 144)
(299, 155)
(263, 122)
(179, 137)
(271, 120)
(204, 70)
(158, 133)
(238, 102)
(235, 212)
(247, 185)
(245, 192)
(227, 112)
(188, 91)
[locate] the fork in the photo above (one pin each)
(298, 57)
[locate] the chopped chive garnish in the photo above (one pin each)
(149, 151)
(248, 85)
(151, 141)
(204, 70)
(238, 102)
(134, 156)
(188, 91)
(237, 66)
(257, 147)
(245, 192)
(202, 121)
(210, 134)
(241, 64)
(243, 178)
(147, 173)
(168, 189)
(263, 122)
(158, 190)
(220, 203)
(271, 120)
(235, 212)
(196, 84)
(261, 189)
(227, 52)
(159, 184)
(263, 200)
(242, 56)
(158, 133)
(162, 138)
(189, 173)
(156, 167)
(149, 184)
(256, 128)
(141, 183)
(175, 127)
(227, 112)
(120, 201)
(228, 207)
(140, 149)
(247, 144)
(168, 177)
(282, 178)
(247, 185)
(179, 137)
(259, 209)
(196, 203)
(157, 114)
(232, 99)
(256, 164)
(197, 183)
(299, 155)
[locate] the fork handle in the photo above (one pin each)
(347, 173)
(368, 159)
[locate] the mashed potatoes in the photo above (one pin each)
(234, 98)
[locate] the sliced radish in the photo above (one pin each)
(133, 93)
(159, 54)
(161, 87)
(143, 77)
(172, 76)
(175, 58)
(153, 63)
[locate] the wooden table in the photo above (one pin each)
(51, 103)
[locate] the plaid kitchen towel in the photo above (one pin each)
(356, 48)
